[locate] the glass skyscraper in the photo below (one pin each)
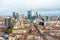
(29, 14)
(14, 15)
(17, 16)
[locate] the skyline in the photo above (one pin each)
(45, 7)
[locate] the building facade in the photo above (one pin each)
(17, 16)
(8, 21)
(29, 14)
(14, 15)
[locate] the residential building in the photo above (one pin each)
(53, 18)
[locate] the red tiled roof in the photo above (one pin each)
(1, 34)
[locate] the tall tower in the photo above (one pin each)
(8, 21)
(36, 14)
(17, 16)
(14, 15)
(39, 15)
(29, 14)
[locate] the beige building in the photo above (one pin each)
(21, 31)
(53, 18)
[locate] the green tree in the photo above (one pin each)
(9, 30)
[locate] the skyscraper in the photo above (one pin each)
(8, 21)
(17, 16)
(39, 15)
(14, 15)
(36, 14)
(47, 18)
(29, 14)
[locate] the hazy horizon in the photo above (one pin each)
(45, 7)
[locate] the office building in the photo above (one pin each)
(53, 18)
(17, 16)
(39, 15)
(36, 14)
(46, 18)
(58, 18)
(8, 21)
(14, 15)
(29, 14)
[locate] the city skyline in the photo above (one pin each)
(45, 7)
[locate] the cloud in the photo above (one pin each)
(29, 3)
(19, 5)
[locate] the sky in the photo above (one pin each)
(44, 7)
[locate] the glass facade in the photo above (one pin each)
(29, 14)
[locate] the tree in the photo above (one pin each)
(9, 30)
